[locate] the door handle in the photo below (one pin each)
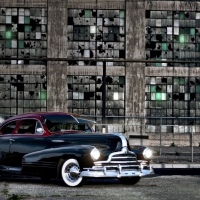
(12, 140)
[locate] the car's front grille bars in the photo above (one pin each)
(123, 157)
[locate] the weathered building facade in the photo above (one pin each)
(110, 30)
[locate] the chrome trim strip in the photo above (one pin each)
(123, 139)
(123, 151)
(75, 119)
(57, 140)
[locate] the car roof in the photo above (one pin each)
(79, 118)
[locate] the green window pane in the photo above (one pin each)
(164, 46)
(181, 15)
(8, 34)
(121, 80)
(43, 95)
(181, 38)
(198, 47)
(182, 81)
(8, 20)
(87, 13)
(197, 88)
(81, 95)
(153, 96)
(21, 44)
(158, 96)
(8, 43)
(187, 96)
(121, 14)
(192, 31)
(69, 79)
(153, 88)
(26, 28)
(169, 14)
(158, 64)
(26, 20)
(176, 81)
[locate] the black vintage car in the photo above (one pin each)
(57, 144)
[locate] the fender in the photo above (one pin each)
(138, 150)
(48, 159)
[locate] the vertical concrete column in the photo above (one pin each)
(57, 48)
(135, 72)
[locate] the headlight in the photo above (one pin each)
(147, 153)
(95, 154)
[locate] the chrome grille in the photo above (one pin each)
(124, 158)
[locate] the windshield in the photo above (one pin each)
(63, 122)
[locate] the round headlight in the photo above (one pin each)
(147, 153)
(95, 154)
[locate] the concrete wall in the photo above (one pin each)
(135, 49)
(57, 48)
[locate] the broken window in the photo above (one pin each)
(96, 34)
(172, 35)
(23, 34)
(85, 95)
(22, 93)
(172, 97)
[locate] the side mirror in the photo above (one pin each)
(39, 131)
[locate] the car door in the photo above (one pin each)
(5, 141)
(26, 140)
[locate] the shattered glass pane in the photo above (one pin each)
(179, 31)
(174, 100)
(17, 31)
(96, 26)
(88, 93)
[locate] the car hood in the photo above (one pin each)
(111, 142)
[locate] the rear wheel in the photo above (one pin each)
(129, 180)
(70, 173)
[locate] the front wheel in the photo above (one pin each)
(129, 180)
(70, 173)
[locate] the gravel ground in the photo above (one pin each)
(154, 188)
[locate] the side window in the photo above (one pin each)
(87, 128)
(27, 126)
(9, 128)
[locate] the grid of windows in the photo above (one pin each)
(85, 95)
(96, 34)
(23, 34)
(22, 93)
(172, 35)
(172, 97)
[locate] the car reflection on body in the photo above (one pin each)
(58, 144)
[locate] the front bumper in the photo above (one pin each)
(118, 171)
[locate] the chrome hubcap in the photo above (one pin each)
(74, 172)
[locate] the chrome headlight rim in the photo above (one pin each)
(147, 153)
(95, 154)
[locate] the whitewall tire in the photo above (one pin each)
(70, 173)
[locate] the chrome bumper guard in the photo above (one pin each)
(118, 171)
(119, 164)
